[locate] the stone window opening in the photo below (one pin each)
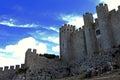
(67, 29)
(97, 32)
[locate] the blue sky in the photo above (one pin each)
(35, 24)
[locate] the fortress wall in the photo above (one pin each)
(98, 35)
(93, 38)
(105, 27)
(115, 23)
(8, 72)
(10, 68)
(65, 42)
(118, 28)
(74, 44)
(89, 31)
(77, 45)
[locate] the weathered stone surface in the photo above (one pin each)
(93, 49)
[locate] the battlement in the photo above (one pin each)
(78, 30)
(10, 68)
(102, 10)
(112, 12)
(88, 19)
(102, 5)
(31, 51)
(87, 13)
(67, 28)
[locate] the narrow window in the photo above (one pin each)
(97, 32)
(67, 29)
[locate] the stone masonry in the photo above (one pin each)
(94, 46)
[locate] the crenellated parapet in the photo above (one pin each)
(101, 5)
(11, 68)
(77, 31)
(115, 12)
(31, 51)
(102, 10)
(88, 20)
(67, 28)
(31, 57)
(70, 28)
(88, 14)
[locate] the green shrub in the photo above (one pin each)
(49, 56)
(21, 71)
(96, 52)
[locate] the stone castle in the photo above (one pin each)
(95, 45)
(95, 36)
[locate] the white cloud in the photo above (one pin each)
(51, 28)
(73, 20)
(28, 25)
(56, 49)
(11, 23)
(54, 29)
(51, 39)
(95, 15)
(45, 36)
(112, 4)
(5, 61)
(19, 50)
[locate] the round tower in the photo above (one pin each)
(105, 30)
(89, 30)
(65, 41)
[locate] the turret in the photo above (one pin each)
(102, 10)
(88, 19)
(104, 26)
(67, 28)
(65, 34)
(89, 29)
(30, 57)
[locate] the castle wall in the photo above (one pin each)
(114, 17)
(65, 42)
(105, 27)
(90, 37)
(78, 50)
(75, 45)
(47, 69)
(9, 72)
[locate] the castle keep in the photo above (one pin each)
(95, 45)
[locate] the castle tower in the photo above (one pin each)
(31, 57)
(65, 42)
(105, 29)
(90, 38)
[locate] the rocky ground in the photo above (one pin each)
(114, 75)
